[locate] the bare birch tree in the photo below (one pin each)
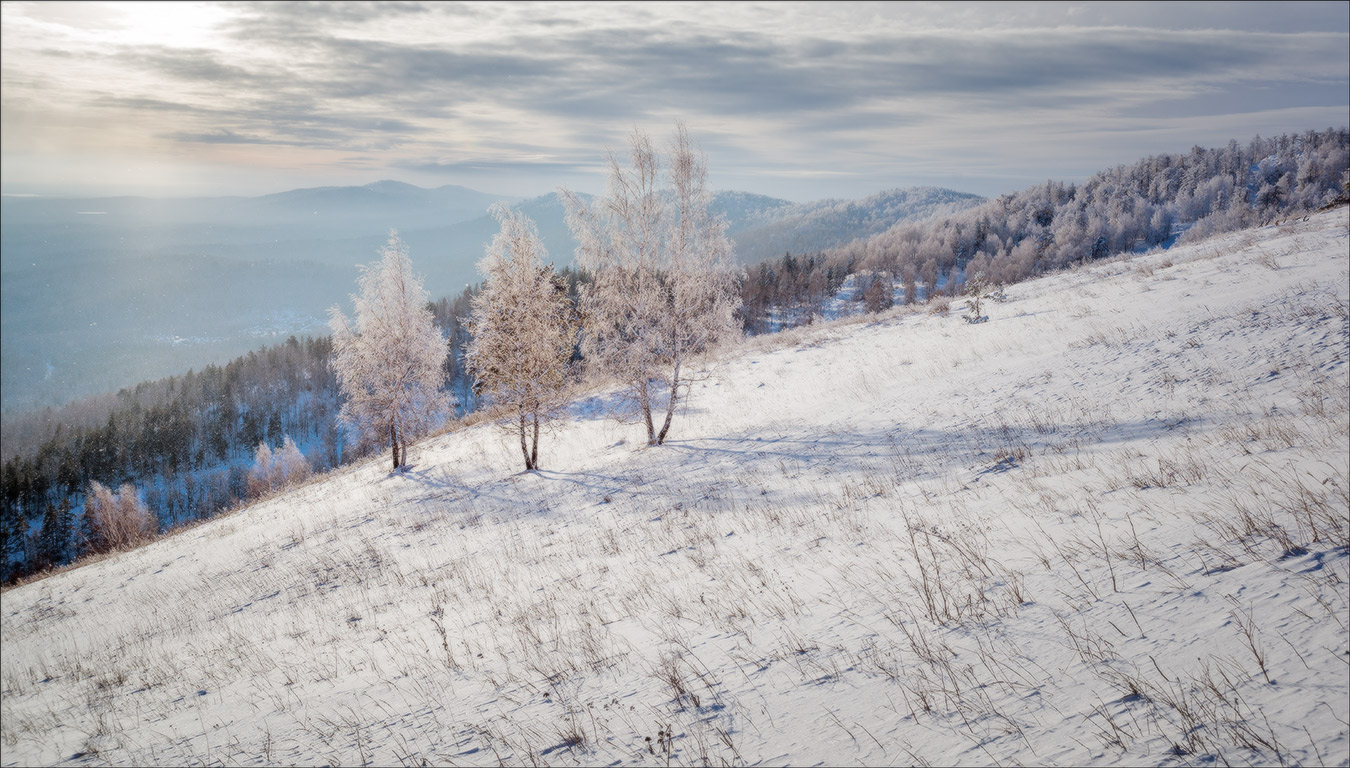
(524, 329)
(389, 360)
(663, 288)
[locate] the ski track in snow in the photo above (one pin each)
(1071, 534)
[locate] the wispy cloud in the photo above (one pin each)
(861, 94)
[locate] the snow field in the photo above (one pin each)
(1109, 526)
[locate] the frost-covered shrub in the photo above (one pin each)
(977, 290)
(289, 465)
(260, 476)
(275, 470)
(116, 520)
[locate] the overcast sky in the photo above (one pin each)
(801, 101)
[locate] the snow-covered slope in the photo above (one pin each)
(1109, 526)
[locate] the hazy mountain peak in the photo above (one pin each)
(389, 186)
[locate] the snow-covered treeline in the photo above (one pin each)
(186, 441)
(1155, 202)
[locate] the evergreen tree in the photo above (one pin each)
(54, 540)
(13, 528)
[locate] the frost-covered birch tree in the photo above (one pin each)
(663, 288)
(701, 290)
(618, 239)
(524, 330)
(389, 360)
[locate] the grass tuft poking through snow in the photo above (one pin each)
(1108, 526)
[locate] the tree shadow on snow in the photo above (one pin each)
(920, 453)
(762, 460)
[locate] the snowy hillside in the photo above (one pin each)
(1108, 526)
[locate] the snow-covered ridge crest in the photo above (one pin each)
(1108, 526)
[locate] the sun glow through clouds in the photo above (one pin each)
(845, 99)
(175, 25)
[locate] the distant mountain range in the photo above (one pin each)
(100, 293)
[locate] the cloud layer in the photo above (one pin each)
(799, 100)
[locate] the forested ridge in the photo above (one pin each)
(1155, 202)
(185, 441)
(809, 227)
(188, 442)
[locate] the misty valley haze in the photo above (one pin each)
(102, 293)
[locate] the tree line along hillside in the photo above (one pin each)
(189, 443)
(1155, 202)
